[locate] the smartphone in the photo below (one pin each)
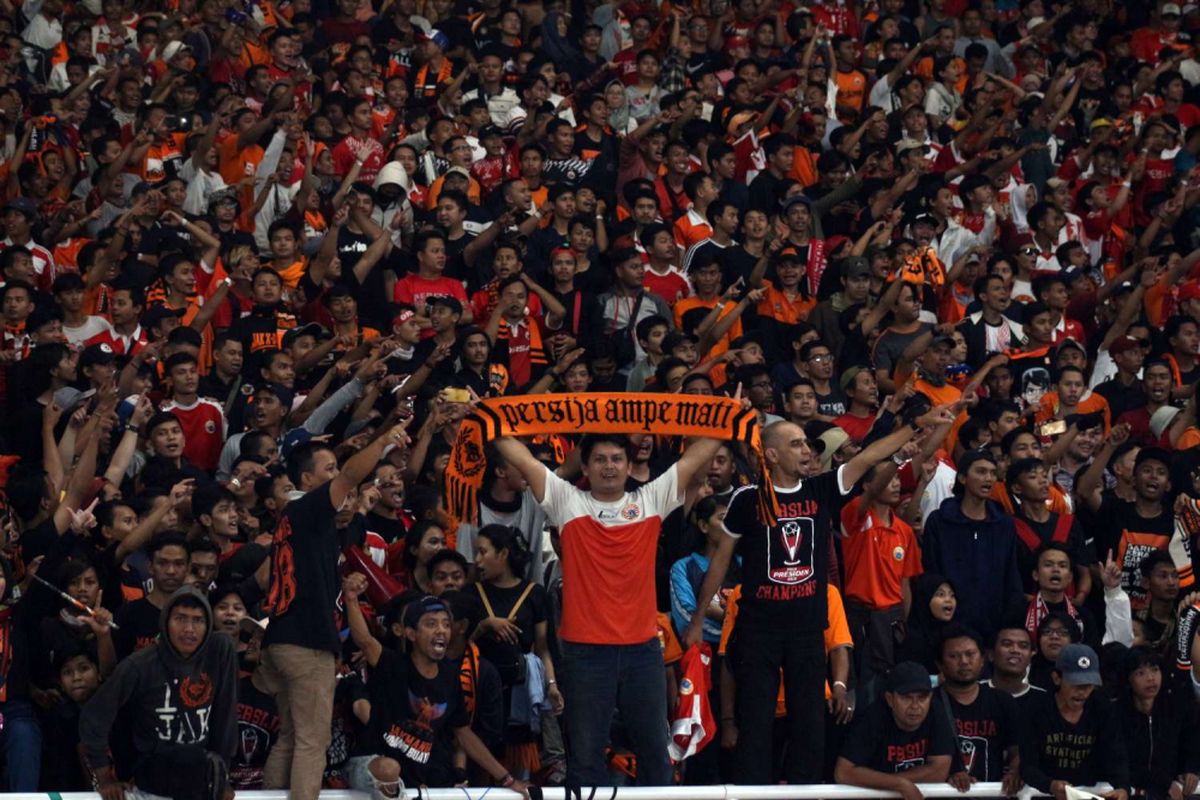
(1058, 426)
(455, 395)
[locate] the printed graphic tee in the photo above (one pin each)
(413, 718)
(785, 566)
(877, 743)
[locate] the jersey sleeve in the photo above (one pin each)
(742, 515)
(837, 632)
(556, 499)
(661, 495)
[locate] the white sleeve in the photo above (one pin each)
(1118, 619)
(662, 494)
(556, 499)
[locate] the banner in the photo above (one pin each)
(613, 412)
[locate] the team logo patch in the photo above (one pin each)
(631, 511)
(898, 553)
(210, 426)
(104, 348)
(685, 687)
(1084, 662)
(247, 390)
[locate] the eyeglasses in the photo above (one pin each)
(821, 358)
(1029, 251)
(1057, 633)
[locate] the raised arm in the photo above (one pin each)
(517, 455)
(361, 463)
(354, 585)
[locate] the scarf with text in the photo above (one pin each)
(602, 412)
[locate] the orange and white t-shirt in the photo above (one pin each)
(608, 553)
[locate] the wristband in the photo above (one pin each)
(840, 683)
(508, 780)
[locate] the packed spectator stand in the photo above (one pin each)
(418, 394)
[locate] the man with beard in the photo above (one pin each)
(178, 696)
(985, 719)
(1072, 739)
(417, 707)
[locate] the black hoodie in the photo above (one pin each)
(169, 700)
(923, 633)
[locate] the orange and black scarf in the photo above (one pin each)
(608, 412)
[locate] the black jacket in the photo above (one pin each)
(168, 699)
(1161, 744)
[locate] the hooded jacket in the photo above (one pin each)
(168, 699)
(980, 557)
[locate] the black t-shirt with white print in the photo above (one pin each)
(986, 729)
(413, 718)
(785, 566)
(876, 742)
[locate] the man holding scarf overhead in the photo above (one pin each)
(611, 652)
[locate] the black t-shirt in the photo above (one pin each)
(137, 626)
(986, 729)
(1081, 753)
(413, 718)
(1131, 537)
(304, 579)
(876, 742)
(258, 727)
(532, 611)
(785, 566)
(1082, 554)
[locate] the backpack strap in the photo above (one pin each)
(1026, 534)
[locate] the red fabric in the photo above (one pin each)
(692, 725)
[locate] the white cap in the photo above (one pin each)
(173, 49)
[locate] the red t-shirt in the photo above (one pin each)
(671, 287)
(203, 431)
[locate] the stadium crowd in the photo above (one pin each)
(266, 262)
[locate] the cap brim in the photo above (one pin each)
(912, 688)
(1089, 678)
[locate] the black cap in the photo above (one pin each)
(419, 608)
(908, 677)
(101, 353)
(156, 314)
(311, 329)
(284, 394)
(1159, 454)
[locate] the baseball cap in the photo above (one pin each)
(1170, 8)
(1123, 287)
(855, 266)
(925, 219)
(1069, 342)
(799, 198)
(848, 377)
(1162, 419)
(311, 329)
(284, 394)
(459, 171)
(908, 677)
(1159, 454)
(296, 437)
(1078, 665)
(1101, 122)
(24, 205)
(942, 338)
(419, 608)
(1123, 344)
(831, 440)
(156, 314)
(173, 49)
(904, 145)
(435, 36)
(676, 338)
(101, 353)
(488, 131)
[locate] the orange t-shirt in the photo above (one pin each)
(1056, 502)
(236, 163)
(1048, 406)
(776, 305)
(878, 555)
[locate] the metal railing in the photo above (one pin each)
(828, 791)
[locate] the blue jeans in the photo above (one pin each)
(22, 746)
(630, 679)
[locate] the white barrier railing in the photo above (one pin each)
(828, 791)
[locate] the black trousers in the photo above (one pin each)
(759, 656)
